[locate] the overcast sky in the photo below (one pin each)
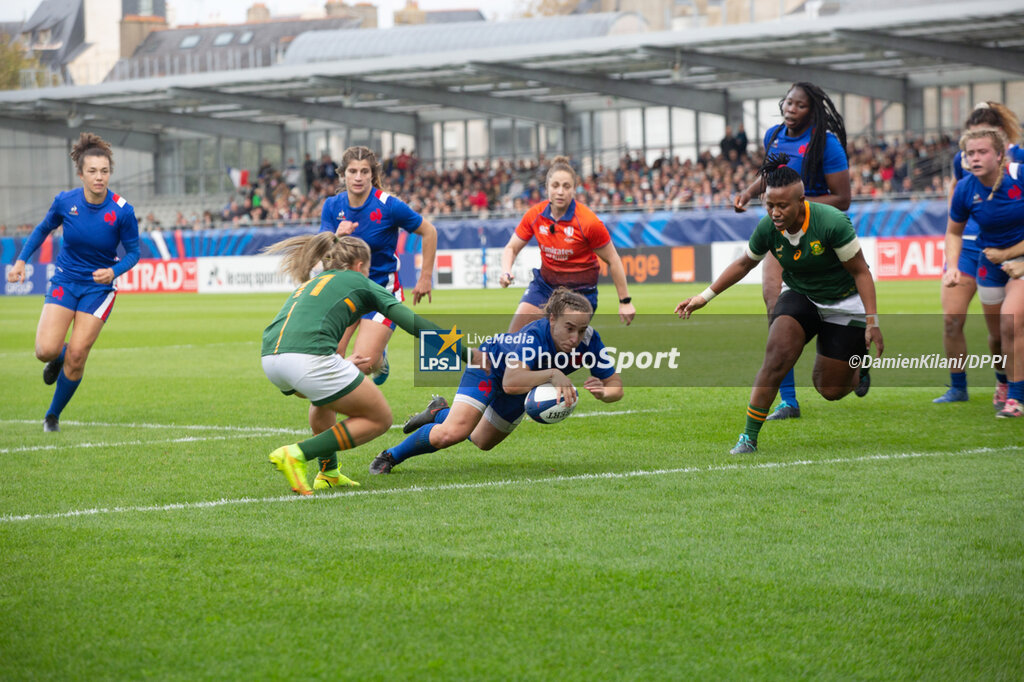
(233, 11)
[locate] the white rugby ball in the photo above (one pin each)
(543, 406)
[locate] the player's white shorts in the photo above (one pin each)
(320, 378)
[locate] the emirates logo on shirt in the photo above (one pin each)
(109, 217)
(1014, 192)
(376, 215)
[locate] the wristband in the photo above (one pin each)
(707, 295)
(627, 299)
(871, 321)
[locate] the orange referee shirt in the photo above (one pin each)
(566, 245)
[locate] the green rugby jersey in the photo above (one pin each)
(316, 315)
(812, 266)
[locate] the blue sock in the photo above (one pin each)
(1016, 391)
(62, 394)
(441, 414)
(958, 380)
(1002, 378)
(418, 443)
(787, 391)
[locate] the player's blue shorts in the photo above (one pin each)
(395, 287)
(990, 274)
(87, 297)
(483, 391)
(539, 291)
(969, 254)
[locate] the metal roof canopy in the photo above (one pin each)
(888, 55)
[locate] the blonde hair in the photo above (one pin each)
(999, 143)
(560, 163)
(90, 144)
(363, 154)
(563, 299)
(302, 253)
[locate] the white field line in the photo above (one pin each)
(239, 432)
(97, 511)
(184, 427)
(182, 346)
(77, 446)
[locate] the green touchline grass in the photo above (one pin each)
(877, 538)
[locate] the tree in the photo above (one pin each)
(546, 8)
(14, 59)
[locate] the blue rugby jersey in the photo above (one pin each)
(1014, 154)
(91, 234)
(378, 220)
(833, 160)
(1001, 218)
(533, 345)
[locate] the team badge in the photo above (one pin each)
(976, 199)
(568, 232)
(74, 210)
(816, 248)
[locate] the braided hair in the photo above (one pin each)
(824, 118)
(776, 172)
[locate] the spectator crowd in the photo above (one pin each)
(917, 168)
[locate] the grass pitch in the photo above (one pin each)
(874, 538)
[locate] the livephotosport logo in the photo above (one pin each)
(440, 350)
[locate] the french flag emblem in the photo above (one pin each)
(119, 200)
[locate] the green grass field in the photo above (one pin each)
(880, 538)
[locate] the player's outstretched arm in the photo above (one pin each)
(609, 255)
(954, 244)
(520, 379)
(606, 390)
(423, 287)
(733, 273)
(858, 267)
(17, 272)
(508, 257)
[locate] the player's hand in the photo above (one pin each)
(595, 386)
(626, 313)
(506, 279)
(951, 277)
(362, 362)
(345, 227)
(17, 272)
(1014, 268)
(566, 391)
(873, 335)
(995, 255)
(423, 288)
(739, 203)
(690, 305)
(103, 275)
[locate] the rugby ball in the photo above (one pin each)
(542, 405)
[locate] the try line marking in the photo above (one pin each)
(502, 484)
(237, 431)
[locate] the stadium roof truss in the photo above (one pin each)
(888, 55)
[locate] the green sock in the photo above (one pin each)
(755, 420)
(325, 446)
